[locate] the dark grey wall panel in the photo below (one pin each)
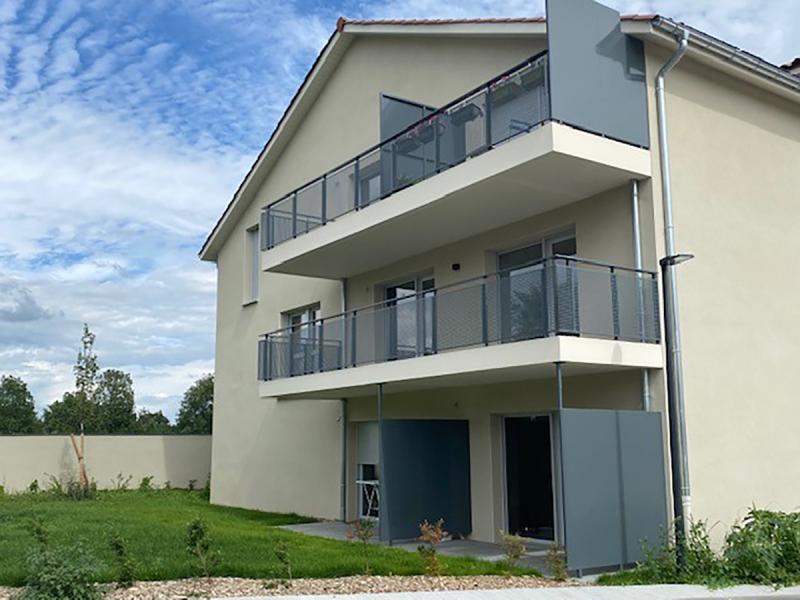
(592, 508)
(597, 73)
(614, 487)
(644, 485)
(425, 472)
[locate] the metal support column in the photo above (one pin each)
(637, 262)
(562, 533)
(343, 490)
(384, 532)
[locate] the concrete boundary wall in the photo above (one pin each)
(174, 458)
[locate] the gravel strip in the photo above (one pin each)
(231, 586)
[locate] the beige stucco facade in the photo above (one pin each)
(110, 460)
(735, 158)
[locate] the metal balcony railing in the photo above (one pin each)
(510, 104)
(563, 295)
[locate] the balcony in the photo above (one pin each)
(496, 141)
(560, 298)
(511, 104)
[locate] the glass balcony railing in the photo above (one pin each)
(556, 296)
(510, 104)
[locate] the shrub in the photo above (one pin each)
(61, 574)
(122, 559)
(146, 484)
(431, 535)
(513, 547)
(363, 530)
(33, 487)
(282, 554)
(764, 548)
(192, 484)
(71, 490)
(40, 533)
(199, 547)
(120, 482)
(557, 563)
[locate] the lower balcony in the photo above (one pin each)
(502, 326)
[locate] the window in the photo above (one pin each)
(253, 262)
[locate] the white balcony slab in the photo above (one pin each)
(514, 361)
(549, 167)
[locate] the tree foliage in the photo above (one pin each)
(17, 411)
(152, 422)
(197, 407)
(114, 399)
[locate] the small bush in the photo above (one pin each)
(513, 547)
(61, 574)
(40, 533)
(363, 530)
(282, 554)
(199, 547)
(431, 535)
(146, 484)
(33, 487)
(120, 482)
(192, 484)
(764, 548)
(122, 559)
(557, 563)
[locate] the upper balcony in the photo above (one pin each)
(496, 155)
(498, 327)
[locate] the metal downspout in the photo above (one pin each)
(679, 462)
(637, 262)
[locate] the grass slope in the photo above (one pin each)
(154, 525)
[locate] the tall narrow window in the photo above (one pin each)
(254, 264)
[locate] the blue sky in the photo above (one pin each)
(125, 127)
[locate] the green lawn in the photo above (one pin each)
(154, 524)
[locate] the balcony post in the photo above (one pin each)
(614, 302)
(484, 315)
(324, 207)
(436, 143)
(354, 361)
(294, 215)
(487, 117)
(357, 183)
(320, 352)
(434, 338)
(556, 300)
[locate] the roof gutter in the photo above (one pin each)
(730, 53)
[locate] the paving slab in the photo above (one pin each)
(336, 530)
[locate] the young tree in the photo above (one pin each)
(194, 415)
(115, 402)
(86, 368)
(17, 411)
(152, 422)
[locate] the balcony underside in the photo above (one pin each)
(514, 361)
(550, 167)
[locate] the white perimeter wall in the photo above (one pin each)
(174, 458)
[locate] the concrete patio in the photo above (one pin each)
(336, 530)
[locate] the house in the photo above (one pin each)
(442, 284)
